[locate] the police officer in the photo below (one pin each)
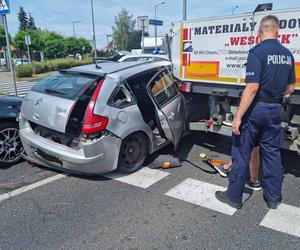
(270, 74)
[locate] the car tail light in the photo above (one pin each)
(94, 123)
(184, 87)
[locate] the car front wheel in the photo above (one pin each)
(10, 144)
(133, 153)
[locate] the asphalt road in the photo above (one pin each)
(74, 212)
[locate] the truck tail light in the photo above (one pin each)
(94, 123)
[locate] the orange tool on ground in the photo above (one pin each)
(211, 162)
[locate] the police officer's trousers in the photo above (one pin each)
(261, 125)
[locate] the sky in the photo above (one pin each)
(58, 15)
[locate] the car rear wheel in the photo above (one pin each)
(133, 153)
(10, 144)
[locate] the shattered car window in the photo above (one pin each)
(63, 85)
(163, 88)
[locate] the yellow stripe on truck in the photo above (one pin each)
(297, 68)
(181, 50)
(202, 69)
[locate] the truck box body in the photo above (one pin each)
(215, 50)
(209, 58)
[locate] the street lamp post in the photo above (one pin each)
(233, 9)
(94, 33)
(155, 27)
(184, 10)
(73, 23)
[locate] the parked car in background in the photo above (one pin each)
(10, 143)
(143, 58)
(125, 56)
(20, 61)
(95, 119)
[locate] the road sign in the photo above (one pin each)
(27, 40)
(155, 22)
(4, 7)
(143, 20)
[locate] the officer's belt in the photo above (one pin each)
(268, 100)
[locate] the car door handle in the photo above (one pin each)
(171, 116)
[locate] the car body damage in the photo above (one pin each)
(93, 120)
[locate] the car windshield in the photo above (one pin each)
(64, 85)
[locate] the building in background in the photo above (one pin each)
(149, 45)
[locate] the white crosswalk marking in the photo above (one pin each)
(285, 219)
(27, 188)
(200, 193)
(143, 178)
(22, 87)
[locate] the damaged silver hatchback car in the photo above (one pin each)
(94, 120)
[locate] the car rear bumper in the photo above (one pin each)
(91, 157)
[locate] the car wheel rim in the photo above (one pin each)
(132, 151)
(10, 145)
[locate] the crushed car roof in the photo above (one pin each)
(116, 69)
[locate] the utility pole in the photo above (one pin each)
(9, 54)
(143, 35)
(143, 23)
(184, 9)
(94, 33)
(155, 27)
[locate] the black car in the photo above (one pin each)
(10, 143)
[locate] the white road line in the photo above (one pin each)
(22, 88)
(143, 178)
(24, 189)
(285, 219)
(200, 193)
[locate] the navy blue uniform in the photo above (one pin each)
(271, 66)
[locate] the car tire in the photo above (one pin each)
(10, 144)
(133, 153)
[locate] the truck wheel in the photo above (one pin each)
(133, 153)
(10, 144)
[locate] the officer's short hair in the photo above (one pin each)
(268, 23)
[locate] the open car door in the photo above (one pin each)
(170, 105)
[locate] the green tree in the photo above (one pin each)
(35, 36)
(122, 29)
(23, 19)
(31, 23)
(53, 45)
(2, 37)
(83, 43)
(135, 39)
(72, 46)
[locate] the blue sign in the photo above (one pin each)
(4, 7)
(155, 22)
